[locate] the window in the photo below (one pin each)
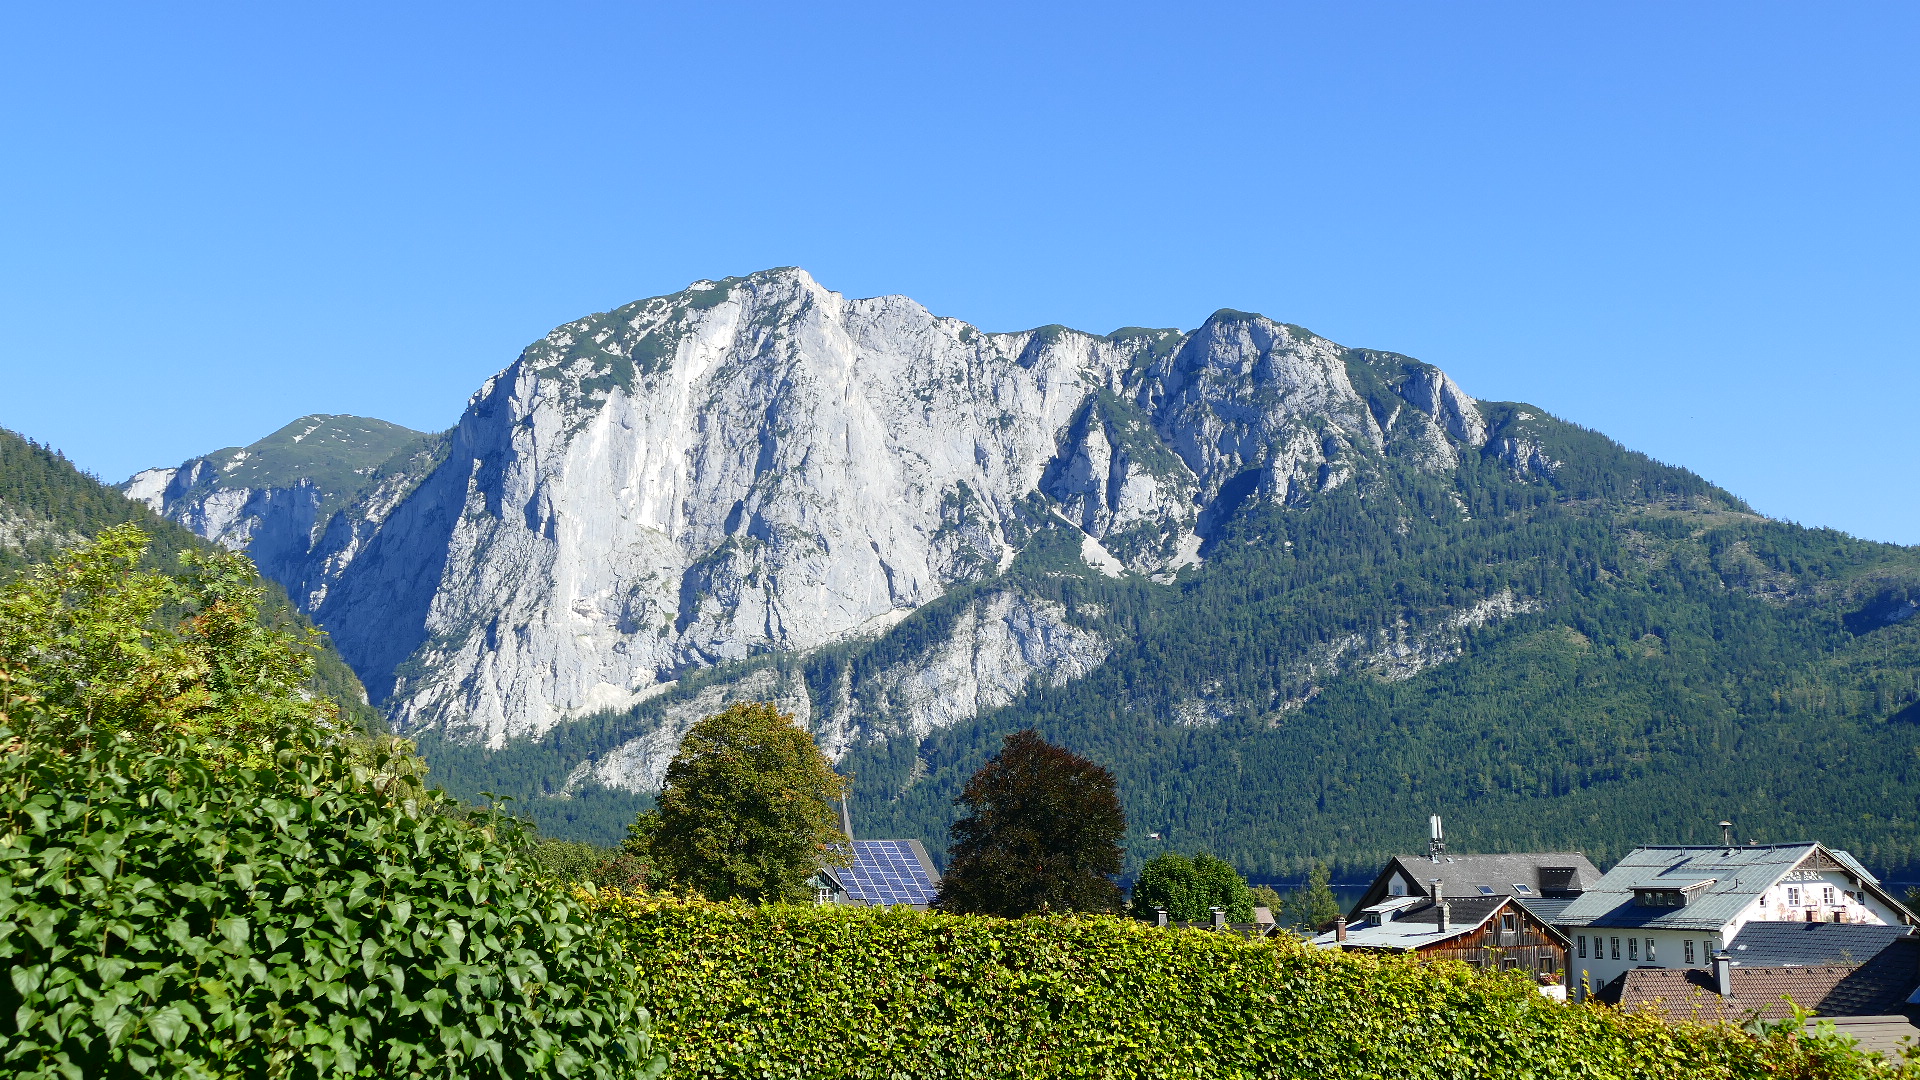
(1485, 890)
(1616, 948)
(1649, 950)
(1509, 923)
(1793, 897)
(1687, 948)
(1521, 890)
(1581, 944)
(1826, 895)
(1633, 948)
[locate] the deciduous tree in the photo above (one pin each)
(1042, 834)
(747, 813)
(1189, 889)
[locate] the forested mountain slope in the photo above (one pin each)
(1297, 595)
(46, 504)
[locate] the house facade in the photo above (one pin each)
(1675, 907)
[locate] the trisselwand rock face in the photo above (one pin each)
(728, 492)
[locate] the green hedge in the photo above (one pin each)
(319, 918)
(837, 992)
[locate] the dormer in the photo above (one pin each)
(1668, 892)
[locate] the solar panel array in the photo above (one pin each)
(886, 872)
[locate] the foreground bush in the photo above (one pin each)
(838, 992)
(315, 917)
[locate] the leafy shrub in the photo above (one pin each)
(312, 918)
(123, 651)
(786, 991)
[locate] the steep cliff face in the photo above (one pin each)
(760, 465)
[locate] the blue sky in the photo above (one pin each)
(1691, 226)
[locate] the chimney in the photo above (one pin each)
(1723, 973)
(1445, 910)
(1340, 928)
(1160, 917)
(1219, 918)
(1436, 891)
(846, 818)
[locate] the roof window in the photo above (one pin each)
(1521, 890)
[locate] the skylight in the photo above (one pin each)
(1521, 890)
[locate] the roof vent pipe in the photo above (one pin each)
(1723, 973)
(1726, 835)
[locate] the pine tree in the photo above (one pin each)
(1042, 834)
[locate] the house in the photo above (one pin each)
(1869, 1000)
(1531, 878)
(1674, 907)
(881, 873)
(1487, 931)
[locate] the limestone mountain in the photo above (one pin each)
(1205, 553)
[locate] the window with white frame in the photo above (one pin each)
(1649, 950)
(1826, 894)
(1581, 944)
(1793, 897)
(1615, 943)
(1633, 948)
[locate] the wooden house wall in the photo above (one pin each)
(1531, 946)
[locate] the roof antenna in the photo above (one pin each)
(1726, 835)
(1437, 845)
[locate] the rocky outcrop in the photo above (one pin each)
(760, 465)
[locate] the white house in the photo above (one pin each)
(1674, 907)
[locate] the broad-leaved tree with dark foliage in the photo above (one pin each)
(747, 813)
(1042, 834)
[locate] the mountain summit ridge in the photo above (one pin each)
(759, 463)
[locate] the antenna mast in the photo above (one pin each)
(1437, 845)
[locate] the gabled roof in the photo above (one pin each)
(888, 872)
(1805, 944)
(1418, 926)
(1543, 873)
(1876, 988)
(1738, 875)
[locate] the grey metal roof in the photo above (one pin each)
(1419, 926)
(1740, 875)
(1547, 909)
(1785, 944)
(1488, 875)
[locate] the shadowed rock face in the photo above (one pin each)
(759, 465)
